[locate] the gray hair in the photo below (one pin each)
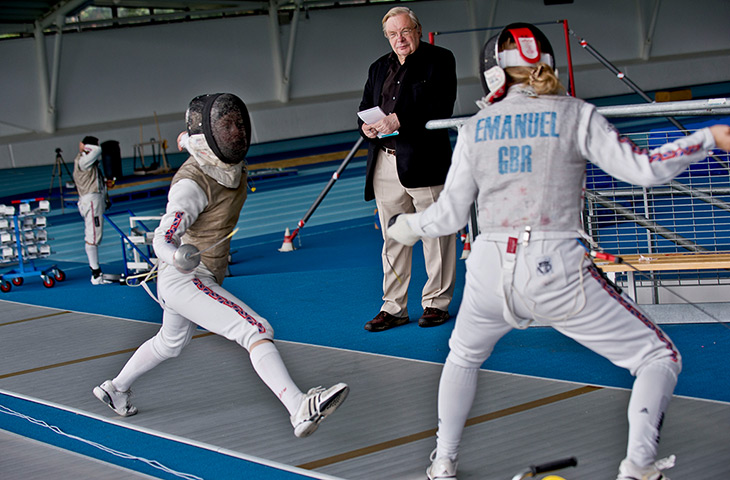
(400, 11)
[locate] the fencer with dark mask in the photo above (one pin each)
(192, 244)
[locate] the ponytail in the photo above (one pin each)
(541, 78)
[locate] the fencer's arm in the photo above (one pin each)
(89, 155)
(621, 158)
(185, 202)
(450, 212)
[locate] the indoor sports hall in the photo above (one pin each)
(306, 249)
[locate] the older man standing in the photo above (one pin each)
(407, 164)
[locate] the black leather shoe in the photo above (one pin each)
(432, 317)
(384, 321)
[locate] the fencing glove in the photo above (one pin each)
(400, 231)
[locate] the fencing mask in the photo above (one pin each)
(533, 47)
(223, 119)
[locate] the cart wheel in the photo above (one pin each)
(5, 286)
(17, 281)
(59, 275)
(48, 282)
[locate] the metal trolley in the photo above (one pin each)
(23, 239)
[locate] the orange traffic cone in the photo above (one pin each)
(287, 246)
(467, 248)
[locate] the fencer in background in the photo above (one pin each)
(91, 187)
(204, 202)
(522, 158)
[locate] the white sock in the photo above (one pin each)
(650, 396)
(269, 366)
(457, 388)
(143, 360)
(92, 252)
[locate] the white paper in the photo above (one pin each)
(371, 115)
(374, 115)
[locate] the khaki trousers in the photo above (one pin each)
(392, 198)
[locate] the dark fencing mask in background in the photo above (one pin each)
(223, 119)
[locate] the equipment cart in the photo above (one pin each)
(23, 239)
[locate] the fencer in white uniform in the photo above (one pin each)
(192, 244)
(522, 159)
(91, 188)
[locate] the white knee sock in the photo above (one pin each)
(268, 364)
(457, 388)
(92, 252)
(143, 360)
(650, 396)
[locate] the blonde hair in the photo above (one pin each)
(401, 11)
(541, 77)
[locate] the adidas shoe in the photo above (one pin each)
(628, 471)
(441, 468)
(117, 401)
(315, 406)
(99, 280)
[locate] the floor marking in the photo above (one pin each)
(35, 318)
(299, 161)
(85, 359)
(432, 432)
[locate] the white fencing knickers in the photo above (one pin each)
(554, 283)
(91, 207)
(195, 299)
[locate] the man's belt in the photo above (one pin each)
(389, 151)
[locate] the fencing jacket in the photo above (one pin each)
(86, 171)
(523, 160)
(200, 211)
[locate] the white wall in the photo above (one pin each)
(112, 82)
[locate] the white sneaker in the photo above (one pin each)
(442, 467)
(628, 471)
(100, 280)
(315, 406)
(117, 401)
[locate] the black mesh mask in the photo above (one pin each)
(223, 119)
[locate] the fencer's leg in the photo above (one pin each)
(175, 333)
(92, 253)
(142, 361)
(650, 397)
(457, 388)
(269, 366)
(613, 326)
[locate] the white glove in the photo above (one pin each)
(400, 231)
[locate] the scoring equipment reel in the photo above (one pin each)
(533, 47)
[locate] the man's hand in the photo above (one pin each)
(369, 130)
(387, 125)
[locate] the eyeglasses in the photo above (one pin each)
(405, 32)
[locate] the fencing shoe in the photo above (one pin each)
(628, 471)
(99, 280)
(441, 468)
(315, 406)
(117, 401)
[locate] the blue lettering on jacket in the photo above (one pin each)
(515, 159)
(519, 126)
